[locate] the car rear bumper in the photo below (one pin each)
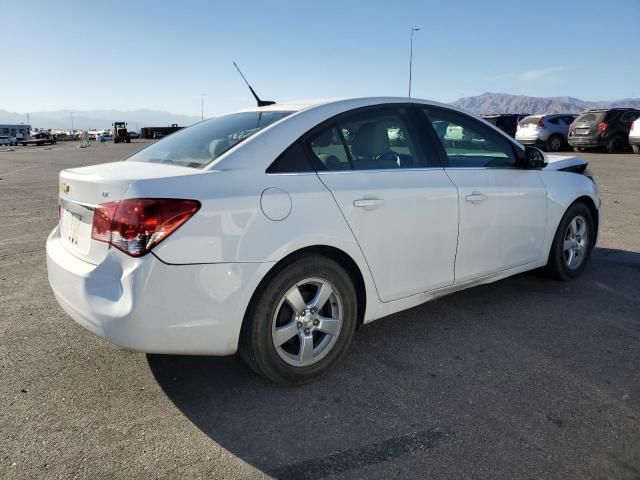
(584, 141)
(146, 305)
(634, 140)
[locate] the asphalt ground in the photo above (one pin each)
(523, 378)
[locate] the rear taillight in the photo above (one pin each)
(632, 125)
(540, 124)
(137, 225)
(602, 126)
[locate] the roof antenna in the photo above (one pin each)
(261, 103)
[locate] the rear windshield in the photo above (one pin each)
(530, 120)
(202, 143)
(492, 120)
(591, 117)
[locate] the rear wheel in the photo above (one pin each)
(555, 143)
(615, 144)
(302, 322)
(573, 243)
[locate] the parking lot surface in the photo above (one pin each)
(523, 378)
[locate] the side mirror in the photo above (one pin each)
(534, 158)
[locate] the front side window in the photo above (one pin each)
(202, 143)
(368, 140)
(469, 143)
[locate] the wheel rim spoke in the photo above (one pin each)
(294, 298)
(330, 326)
(573, 226)
(286, 333)
(323, 294)
(306, 348)
(567, 245)
(582, 228)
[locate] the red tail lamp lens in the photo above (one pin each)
(137, 225)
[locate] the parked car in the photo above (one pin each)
(8, 140)
(546, 131)
(507, 122)
(244, 232)
(602, 128)
(107, 137)
(634, 135)
(134, 135)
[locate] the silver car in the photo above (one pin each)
(545, 131)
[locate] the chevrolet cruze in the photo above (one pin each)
(277, 230)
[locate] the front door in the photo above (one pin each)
(503, 208)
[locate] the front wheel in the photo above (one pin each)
(301, 323)
(573, 243)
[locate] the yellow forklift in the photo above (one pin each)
(120, 133)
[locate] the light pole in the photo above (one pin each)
(411, 58)
(71, 113)
(202, 95)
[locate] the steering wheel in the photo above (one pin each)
(389, 155)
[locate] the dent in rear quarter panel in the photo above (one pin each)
(563, 188)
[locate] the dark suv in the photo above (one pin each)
(602, 127)
(507, 122)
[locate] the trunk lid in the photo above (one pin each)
(587, 123)
(82, 189)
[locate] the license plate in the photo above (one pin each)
(582, 131)
(72, 229)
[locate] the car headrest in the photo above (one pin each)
(371, 140)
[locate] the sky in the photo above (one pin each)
(86, 55)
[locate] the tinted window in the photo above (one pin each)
(468, 143)
(369, 140)
(328, 148)
(555, 121)
(294, 159)
(591, 117)
(629, 117)
(202, 143)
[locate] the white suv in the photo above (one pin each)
(7, 140)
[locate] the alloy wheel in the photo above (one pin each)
(576, 242)
(307, 322)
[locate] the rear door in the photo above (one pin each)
(503, 208)
(395, 196)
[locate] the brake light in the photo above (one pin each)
(632, 125)
(137, 225)
(602, 126)
(540, 124)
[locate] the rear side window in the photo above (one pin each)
(293, 159)
(529, 120)
(554, 120)
(469, 143)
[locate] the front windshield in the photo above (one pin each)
(202, 143)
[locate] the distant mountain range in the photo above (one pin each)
(97, 119)
(488, 103)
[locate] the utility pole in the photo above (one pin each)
(71, 113)
(411, 58)
(28, 119)
(202, 95)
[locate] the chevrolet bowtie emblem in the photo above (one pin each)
(64, 187)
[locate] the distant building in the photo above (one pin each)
(18, 131)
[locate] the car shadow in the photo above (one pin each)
(419, 380)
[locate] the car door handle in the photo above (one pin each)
(368, 203)
(475, 197)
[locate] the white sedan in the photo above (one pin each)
(272, 232)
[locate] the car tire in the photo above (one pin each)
(614, 144)
(555, 143)
(271, 319)
(635, 148)
(579, 149)
(573, 243)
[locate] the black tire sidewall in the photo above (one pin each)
(556, 261)
(257, 347)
